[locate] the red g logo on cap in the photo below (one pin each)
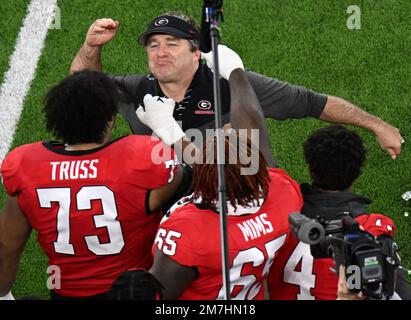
(161, 22)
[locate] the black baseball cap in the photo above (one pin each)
(170, 25)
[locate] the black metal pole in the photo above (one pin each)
(220, 164)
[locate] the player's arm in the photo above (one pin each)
(174, 277)
(246, 112)
(14, 233)
(159, 197)
(245, 109)
(89, 55)
(341, 111)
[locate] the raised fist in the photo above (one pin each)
(101, 32)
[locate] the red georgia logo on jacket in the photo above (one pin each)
(204, 106)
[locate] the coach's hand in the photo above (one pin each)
(390, 139)
(101, 32)
(158, 115)
(227, 58)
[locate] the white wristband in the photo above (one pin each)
(8, 296)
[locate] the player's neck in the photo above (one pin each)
(82, 146)
(349, 189)
(89, 146)
(93, 145)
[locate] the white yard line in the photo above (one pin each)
(23, 63)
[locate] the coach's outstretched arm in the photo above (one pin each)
(341, 111)
(89, 55)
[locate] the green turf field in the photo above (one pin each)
(301, 42)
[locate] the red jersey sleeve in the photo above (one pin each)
(377, 224)
(153, 164)
(176, 238)
(10, 169)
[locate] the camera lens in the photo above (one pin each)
(311, 232)
(314, 234)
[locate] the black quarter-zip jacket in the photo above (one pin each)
(279, 100)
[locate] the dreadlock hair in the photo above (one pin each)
(79, 108)
(240, 189)
(335, 156)
(135, 285)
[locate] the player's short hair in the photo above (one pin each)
(335, 156)
(240, 189)
(79, 108)
(135, 285)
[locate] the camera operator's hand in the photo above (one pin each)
(227, 58)
(157, 114)
(343, 293)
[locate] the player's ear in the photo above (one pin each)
(112, 123)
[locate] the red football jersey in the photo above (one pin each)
(89, 207)
(191, 237)
(296, 275)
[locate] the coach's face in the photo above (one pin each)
(170, 59)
